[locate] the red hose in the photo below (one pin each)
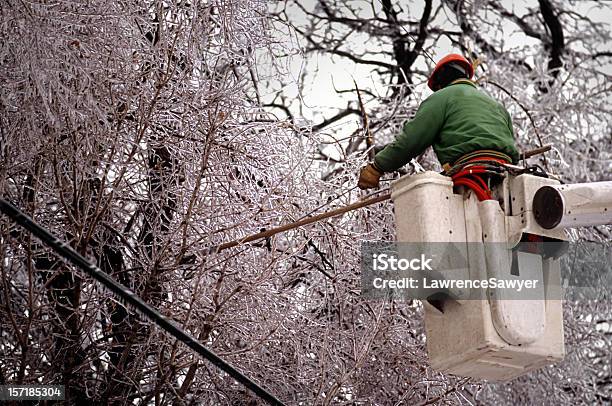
(466, 174)
(463, 178)
(481, 193)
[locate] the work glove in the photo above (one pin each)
(369, 177)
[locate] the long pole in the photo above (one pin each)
(336, 212)
(303, 222)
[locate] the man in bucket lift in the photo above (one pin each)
(461, 123)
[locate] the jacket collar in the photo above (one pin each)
(463, 81)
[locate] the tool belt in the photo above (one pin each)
(479, 155)
(476, 170)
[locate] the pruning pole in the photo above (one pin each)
(537, 151)
(336, 212)
(303, 222)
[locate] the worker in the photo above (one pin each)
(458, 120)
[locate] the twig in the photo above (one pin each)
(526, 112)
(366, 125)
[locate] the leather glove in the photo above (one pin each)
(369, 177)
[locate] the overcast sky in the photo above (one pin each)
(325, 73)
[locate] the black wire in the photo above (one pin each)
(535, 170)
(149, 312)
(492, 166)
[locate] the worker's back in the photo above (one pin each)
(472, 121)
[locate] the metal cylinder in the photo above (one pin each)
(577, 205)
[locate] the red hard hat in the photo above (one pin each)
(448, 59)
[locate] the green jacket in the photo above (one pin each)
(456, 120)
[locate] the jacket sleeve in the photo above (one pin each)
(416, 135)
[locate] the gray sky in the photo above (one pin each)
(325, 73)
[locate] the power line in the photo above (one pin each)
(130, 298)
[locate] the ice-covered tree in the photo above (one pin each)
(148, 133)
